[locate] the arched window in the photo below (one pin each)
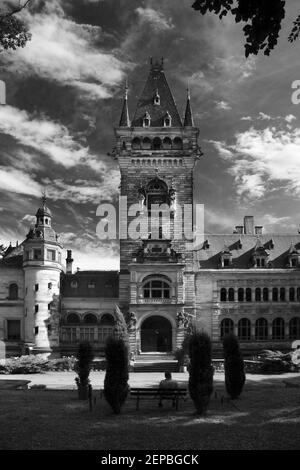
(146, 144)
(278, 328)
(294, 328)
(275, 294)
(156, 289)
(13, 292)
(177, 143)
(244, 329)
(146, 120)
(265, 294)
(258, 294)
(282, 294)
(90, 319)
(107, 319)
(136, 143)
(231, 294)
(73, 319)
(248, 294)
(226, 327)
(261, 329)
(241, 294)
(167, 143)
(156, 144)
(292, 294)
(223, 295)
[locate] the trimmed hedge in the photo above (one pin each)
(36, 364)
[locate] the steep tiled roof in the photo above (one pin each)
(243, 247)
(106, 284)
(156, 85)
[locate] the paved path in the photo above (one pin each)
(66, 380)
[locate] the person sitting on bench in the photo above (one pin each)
(167, 384)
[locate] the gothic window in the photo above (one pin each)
(282, 294)
(156, 144)
(136, 143)
(261, 329)
(275, 294)
(231, 294)
(265, 294)
(260, 262)
(146, 144)
(156, 289)
(294, 328)
(13, 292)
(177, 143)
(73, 319)
(226, 327)
(241, 294)
(13, 330)
(90, 319)
(258, 294)
(223, 295)
(167, 143)
(244, 329)
(292, 294)
(248, 294)
(278, 328)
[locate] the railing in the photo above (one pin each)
(158, 300)
(93, 334)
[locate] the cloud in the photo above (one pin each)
(47, 137)
(262, 160)
(16, 181)
(223, 105)
(84, 191)
(66, 52)
(155, 18)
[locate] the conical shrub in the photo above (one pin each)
(235, 376)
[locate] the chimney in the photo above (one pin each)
(249, 225)
(69, 262)
(239, 229)
(258, 229)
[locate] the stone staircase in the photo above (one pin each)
(153, 362)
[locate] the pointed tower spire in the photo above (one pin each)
(124, 119)
(188, 117)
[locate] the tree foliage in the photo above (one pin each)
(234, 366)
(116, 377)
(200, 370)
(85, 356)
(14, 32)
(262, 20)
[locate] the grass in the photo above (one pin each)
(266, 417)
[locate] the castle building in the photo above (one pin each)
(246, 282)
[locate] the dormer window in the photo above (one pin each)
(91, 285)
(146, 120)
(74, 284)
(293, 257)
(226, 258)
(260, 262)
(260, 255)
(206, 245)
(157, 99)
(167, 120)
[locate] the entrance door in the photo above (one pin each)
(156, 335)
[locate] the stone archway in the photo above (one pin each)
(156, 334)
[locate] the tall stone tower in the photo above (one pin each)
(42, 269)
(157, 152)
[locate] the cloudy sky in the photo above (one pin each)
(64, 96)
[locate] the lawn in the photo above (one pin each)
(266, 417)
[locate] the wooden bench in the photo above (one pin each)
(158, 394)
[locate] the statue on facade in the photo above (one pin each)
(182, 319)
(131, 321)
